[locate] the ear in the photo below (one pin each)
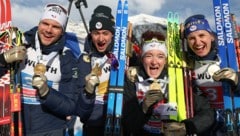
(212, 37)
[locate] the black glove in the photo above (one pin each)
(151, 97)
(39, 82)
(174, 129)
(226, 74)
(92, 81)
(17, 53)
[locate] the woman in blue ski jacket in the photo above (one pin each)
(205, 62)
(49, 75)
(95, 65)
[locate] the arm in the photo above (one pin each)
(64, 100)
(133, 115)
(203, 118)
(85, 102)
(17, 53)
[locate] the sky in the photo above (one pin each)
(26, 13)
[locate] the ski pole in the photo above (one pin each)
(69, 10)
(78, 6)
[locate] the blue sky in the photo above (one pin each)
(26, 13)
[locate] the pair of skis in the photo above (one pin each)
(187, 74)
(10, 116)
(175, 65)
(116, 81)
(228, 57)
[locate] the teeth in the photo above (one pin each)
(199, 47)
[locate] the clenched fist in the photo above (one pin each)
(39, 82)
(14, 54)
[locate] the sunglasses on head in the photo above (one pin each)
(56, 5)
(149, 36)
(154, 40)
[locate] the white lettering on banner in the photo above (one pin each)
(123, 41)
(227, 23)
(116, 41)
(219, 25)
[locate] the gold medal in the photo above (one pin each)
(86, 58)
(40, 69)
(213, 68)
(97, 70)
(155, 86)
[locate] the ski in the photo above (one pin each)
(176, 86)
(228, 59)
(5, 115)
(10, 82)
(236, 38)
(116, 81)
(15, 86)
(236, 97)
(187, 76)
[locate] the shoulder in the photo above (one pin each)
(85, 58)
(72, 43)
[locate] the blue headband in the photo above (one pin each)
(194, 23)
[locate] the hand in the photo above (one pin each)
(68, 117)
(92, 81)
(151, 97)
(226, 74)
(174, 129)
(14, 54)
(39, 82)
(132, 74)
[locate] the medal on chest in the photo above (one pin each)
(155, 85)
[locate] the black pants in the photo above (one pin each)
(93, 131)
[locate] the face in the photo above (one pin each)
(49, 31)
(101, 39)
(154, 62)
(200, 42)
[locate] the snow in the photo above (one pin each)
(141, 19)
(141, 23)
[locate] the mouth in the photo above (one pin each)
(47, 37)
(101, 44)
(199, 47)
(153, 69)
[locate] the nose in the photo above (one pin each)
(154, 60)
(198, 41)
(49, 29)
(101, 37)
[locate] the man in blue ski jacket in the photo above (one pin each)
(95, 65)
(205, 63)
(49, 75)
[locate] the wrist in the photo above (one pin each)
(89, 95)
(2, 60)
(44, 94)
